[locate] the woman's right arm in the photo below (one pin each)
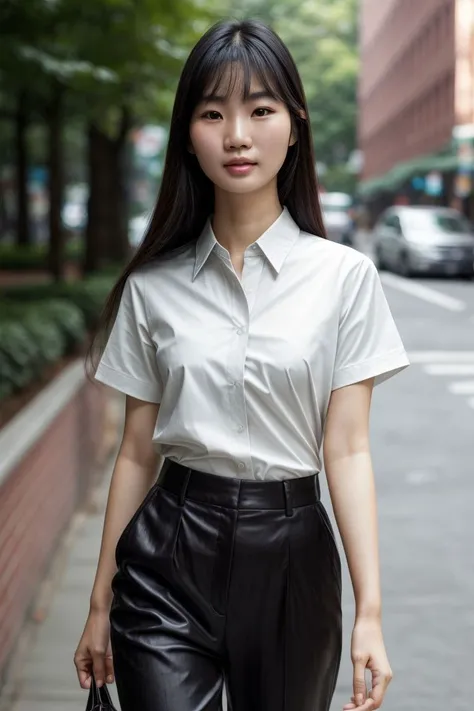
(134, 473)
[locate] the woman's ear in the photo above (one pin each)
(293, 138)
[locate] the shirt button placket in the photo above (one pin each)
(239, 393)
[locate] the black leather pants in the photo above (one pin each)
(224, 579)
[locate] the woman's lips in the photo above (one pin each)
(240, 168)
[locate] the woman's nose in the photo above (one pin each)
(237, 135)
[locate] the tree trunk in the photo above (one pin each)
(23, 235)
(119, 246)
(96, 230)
(56, 184)
(107, 226)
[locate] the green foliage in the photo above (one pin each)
(40, 324)
(322, 37)
(19, 357)
(108, 53)
(88, 295)
(69, 318)
(30, 339)
(35, 257)
(337, 178)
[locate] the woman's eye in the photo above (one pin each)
(263, 112)
(213, 115)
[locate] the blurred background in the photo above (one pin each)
(86, 91)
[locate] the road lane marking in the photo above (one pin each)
(462, 387)
(443, 356)
(449, 369)
(420, 476)
(449, 363)
(425, 293)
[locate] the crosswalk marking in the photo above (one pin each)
(449, 369)
(441, 356)
(462, 387)
(449, 364)
(423, 292)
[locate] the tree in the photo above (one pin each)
(322, 37)
(37, 70)
(110, 62)
(142, 46)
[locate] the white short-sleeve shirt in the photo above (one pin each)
(243, 369)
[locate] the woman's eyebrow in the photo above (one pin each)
(255, 95)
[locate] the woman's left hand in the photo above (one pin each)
(368, 652)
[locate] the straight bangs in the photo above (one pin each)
(232, 66)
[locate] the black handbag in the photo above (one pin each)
(99, 699)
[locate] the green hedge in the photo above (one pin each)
(88, 295)
(35, 257)
(33, 336)
(40, 324)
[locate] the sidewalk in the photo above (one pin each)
(47, 679)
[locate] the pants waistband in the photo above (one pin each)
(238, 493)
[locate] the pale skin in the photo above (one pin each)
(245, 206)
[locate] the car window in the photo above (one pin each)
(437, 221)
(452, 223)
(393, 221)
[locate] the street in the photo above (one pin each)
(422, 447)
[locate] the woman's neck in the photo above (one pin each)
(239, 220)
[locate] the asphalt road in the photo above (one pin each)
(422, 431)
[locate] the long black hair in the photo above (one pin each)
(186, 197)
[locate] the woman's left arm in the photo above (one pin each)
(350, 478)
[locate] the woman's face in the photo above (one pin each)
(241, 145)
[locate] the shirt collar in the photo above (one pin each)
(275, 243)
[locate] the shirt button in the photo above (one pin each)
(239, 331)
(241, 465)
(240, 428)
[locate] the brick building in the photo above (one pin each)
(416, 84)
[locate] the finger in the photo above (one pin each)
(109, 669)
(360, 690)
(83, 664)
(349, 707)
(98, 661)
(378, 692)
(368, 705)
(85, 679)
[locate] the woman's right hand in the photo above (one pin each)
(94, 654)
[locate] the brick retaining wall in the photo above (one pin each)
(43, 479)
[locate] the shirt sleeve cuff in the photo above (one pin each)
(381, 368)
(127, 384)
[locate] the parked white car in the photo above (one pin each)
(335, 208)
(423, 239)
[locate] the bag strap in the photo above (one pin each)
(99, 698)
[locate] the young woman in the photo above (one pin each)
(240, 336)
